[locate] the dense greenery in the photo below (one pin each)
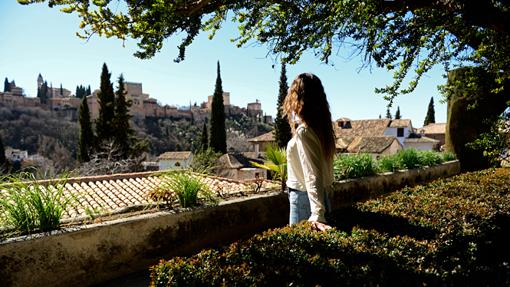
(7, 86)
(3, 159)
(217, 135)
(398, 116)
(276, 163)
(282, 132)
(430, 118)
(450, 232)
(359, 165)
(183, 187)
(122, 131)
(27, 206)
(106, 100)
(204, 161)
(401, 36)
(87, 138)
(81, 91)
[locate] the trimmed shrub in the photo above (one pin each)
(354, 166)
(450, 232)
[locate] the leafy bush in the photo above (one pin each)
(354, 166)
(276, 163)
(448, 156)
(409, 158)
(450, 232)
(389, 163)
(28, 206)
(187, 188)
(429, 158)
(204, 161)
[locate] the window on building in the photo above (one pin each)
(400, 132)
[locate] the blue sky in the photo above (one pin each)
(36, 39)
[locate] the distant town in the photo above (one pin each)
(65, 103)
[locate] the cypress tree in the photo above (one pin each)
(3, 159)
(282, 132)
(7, 86)
(388, 114)
(42, 93)
(106, 99)
(61, 90)
(397, 114)
(218, 135)
(122, 131)
(86, 141)
(430, 118)
(88, 91)
(204, 138)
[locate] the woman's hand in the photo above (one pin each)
(319, 226)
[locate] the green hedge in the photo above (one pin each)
(359, 165)
(449, 232)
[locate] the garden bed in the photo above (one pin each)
(448, 232)
(112, 249)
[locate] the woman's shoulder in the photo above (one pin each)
(303, 131)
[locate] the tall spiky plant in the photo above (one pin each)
(276, 162)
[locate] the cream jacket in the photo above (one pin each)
(308, 170)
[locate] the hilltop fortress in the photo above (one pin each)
(66, 104)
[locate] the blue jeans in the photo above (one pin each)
(300, 206)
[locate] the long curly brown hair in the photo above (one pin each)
(307, 99)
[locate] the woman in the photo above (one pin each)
(310, 152)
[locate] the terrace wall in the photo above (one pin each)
(97, 253)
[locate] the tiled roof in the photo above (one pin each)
(238, 160)
(369, 144)
(181, 155)
(438, 128)
(112, 194)
(362, 128)
(267, 137)
(422, 139)
(401, 123)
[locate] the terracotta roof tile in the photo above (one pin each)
(362, 128)
(179, 155)
(267, 137)
(370, 144)
(113, 193)
(437, 128)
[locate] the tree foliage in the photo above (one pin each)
(3, 159)
(388, 113)
(398, 116)
(7, 85)
(122, 131)
(401, 36)
(430, 118)
(218, 134)
(86, 141)
(106, 99)
(282, 132)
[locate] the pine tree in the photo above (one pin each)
(106, 99)
(7, 85)
(204, 138)
(430, 118)
(3, 159)
(282, 132)
(388, 113)
(122, 131)
(217, 134)
(86, 141)
(397, 114)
